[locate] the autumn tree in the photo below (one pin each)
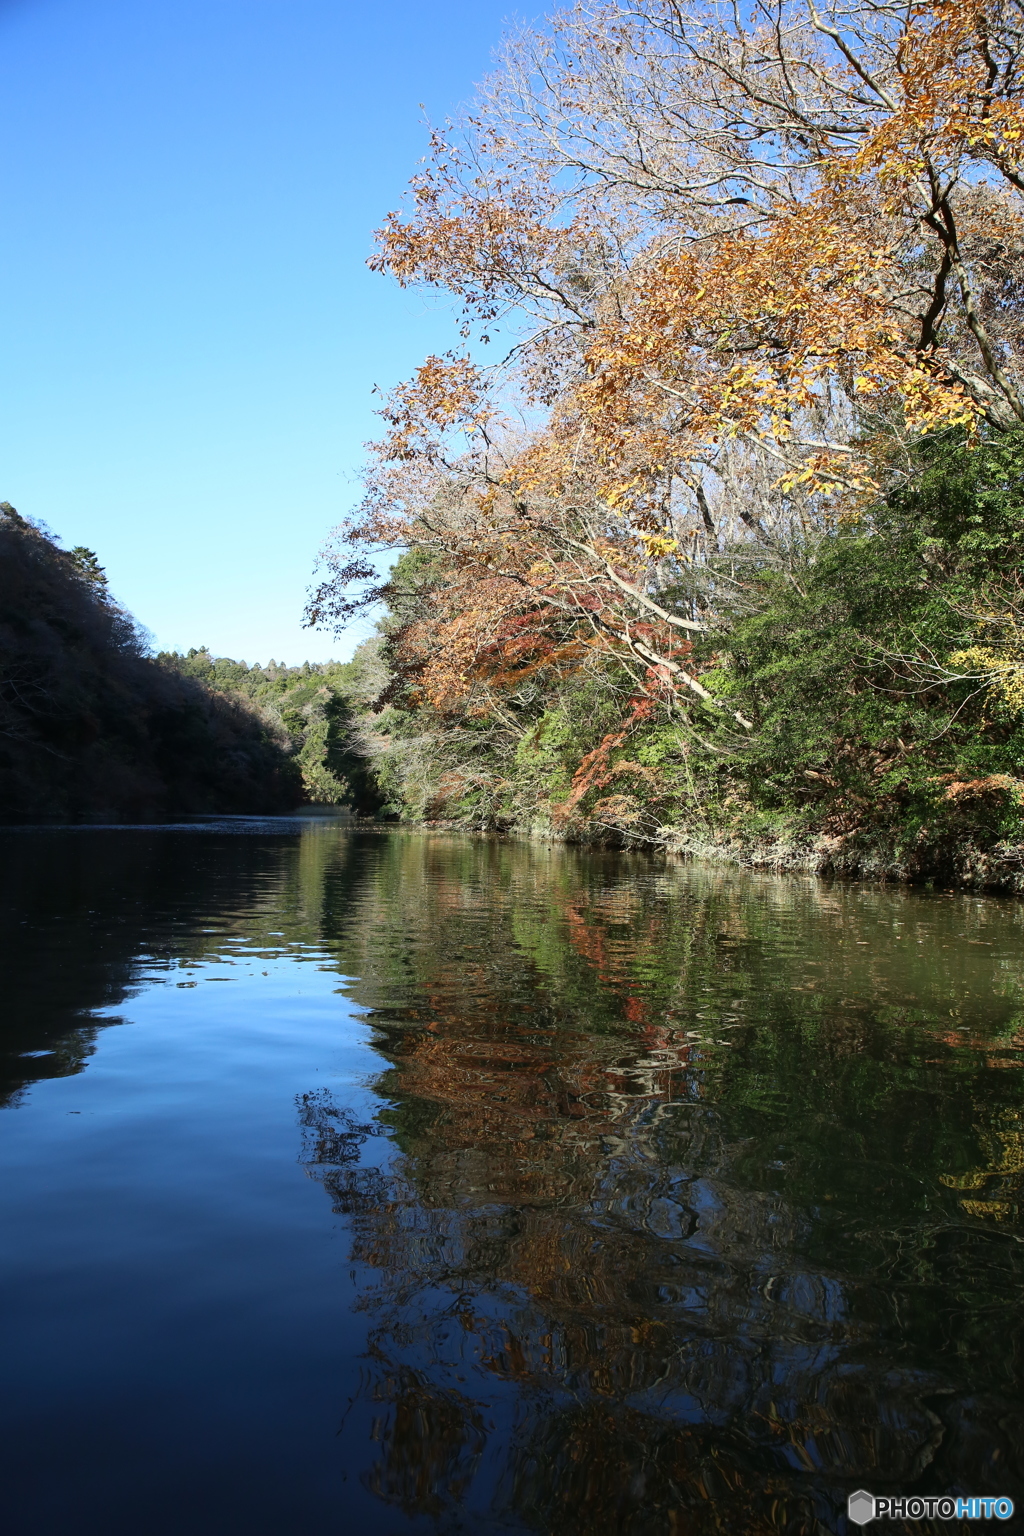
(752, 214)
(738, 260)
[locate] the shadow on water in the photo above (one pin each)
(702, 1202)
(87, 915)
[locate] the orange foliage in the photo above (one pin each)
(796, 239)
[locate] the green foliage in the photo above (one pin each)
(859, 655)
(844, 662)
(87, 565)
(91, 726)
(312, 707)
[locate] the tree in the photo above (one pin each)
(749, 261)
(716, 229)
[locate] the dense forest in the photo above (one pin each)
(93, 727)
(723, 551)
(319, 711)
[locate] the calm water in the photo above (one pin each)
(400, 1184)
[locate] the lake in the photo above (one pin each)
(404, 1182)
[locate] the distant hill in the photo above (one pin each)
(320, 708)
(92, 727)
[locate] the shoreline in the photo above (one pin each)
(998, 870)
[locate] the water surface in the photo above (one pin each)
(404, 1183)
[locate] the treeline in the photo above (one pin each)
(93, 727)
(881, 667)
(318, 710)
(725, 550)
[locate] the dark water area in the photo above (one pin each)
(410, 1184)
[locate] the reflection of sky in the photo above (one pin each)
(184, 1311)
(412, 1171)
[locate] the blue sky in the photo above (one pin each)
(190, 336)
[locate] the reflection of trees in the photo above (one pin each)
(665, 1346)
(86, 915)
(630, 1279)
(693, 1196)
(995, 1190)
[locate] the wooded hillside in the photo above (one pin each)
(91, 727)
(723, 548)
(318, 709)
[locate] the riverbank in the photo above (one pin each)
(998, 869)
(861, 715)
(966, 866)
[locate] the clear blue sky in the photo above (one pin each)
(190, 336)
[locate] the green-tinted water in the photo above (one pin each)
(504, 1188)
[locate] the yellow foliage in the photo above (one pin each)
(1002, 672)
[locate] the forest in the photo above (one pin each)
(722, 550)
(706, 533)
(318, 711)
(94, 728)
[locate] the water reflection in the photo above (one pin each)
(691, 1200)
(673, 1236)
(88, 917)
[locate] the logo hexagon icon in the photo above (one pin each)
(860, 1507)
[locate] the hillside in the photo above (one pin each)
(93, 728)
(318, 709)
